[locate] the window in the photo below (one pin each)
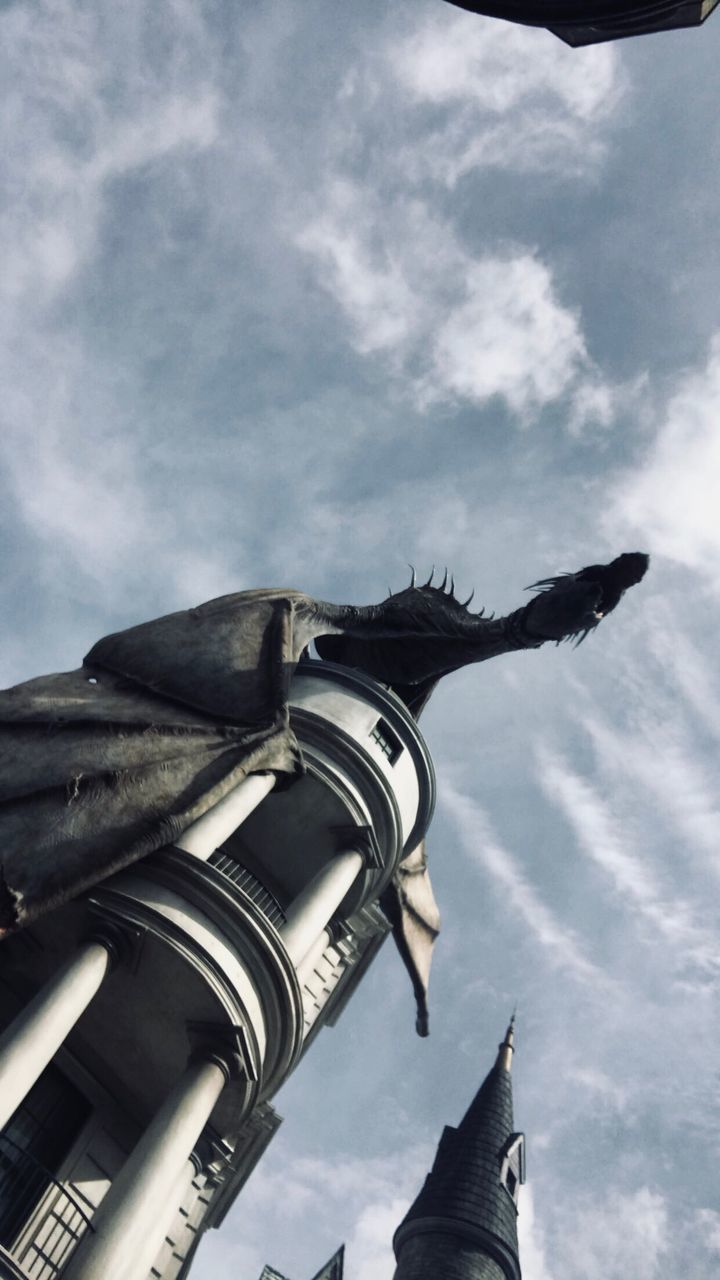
(387, 740)
(33, 1144)
(512, 1165)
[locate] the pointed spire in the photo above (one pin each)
(468, 1202)
(334, 1268)
(507, 1048)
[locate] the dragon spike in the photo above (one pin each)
(452, 585)
(443, 584)
(432, 575)
(467, 602)
(411, 567)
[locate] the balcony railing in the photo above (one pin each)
(40, 1220)
(250, 885)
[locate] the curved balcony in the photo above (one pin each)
(212, 943)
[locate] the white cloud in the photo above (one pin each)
(663, 759)
(635, 882)
(455, 95)
(708, 1222)
(694, 676)
(504, 97)
(626, 1234)
(370, 1256)
(531, 1239)
(458, 326)
(359, 1200)
(449, 59)
(480, 845)
(73, 129)
(509, 337)
(672, 500)
(599, 1085)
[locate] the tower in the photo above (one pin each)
(462, 1226)
(333, 1269)
(149, 1021)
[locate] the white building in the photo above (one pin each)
(149, 1023)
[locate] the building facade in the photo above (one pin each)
(149, 1022)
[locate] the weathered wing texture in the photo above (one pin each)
(106, 764)
(410, 905)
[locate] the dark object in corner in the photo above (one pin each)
(583, 22)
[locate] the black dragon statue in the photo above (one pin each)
(105, 764)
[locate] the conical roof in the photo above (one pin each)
(333, 1270)
(471, 1188)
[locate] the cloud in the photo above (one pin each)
(508, 337)
(458, 58)
(361, 1201)
(681, 788)
(75, 127)
(671, 500)
(708, 1223)
(504, 97)
(531, 1239)
(367, 1248)
(455, 325)
(626, 1234)
(634, 879)
(480, 845)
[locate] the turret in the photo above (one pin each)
(149, 1021)
(463, 1224)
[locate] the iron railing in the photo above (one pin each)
(41, 1222)
(250, 885)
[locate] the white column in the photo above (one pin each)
(35, 1036)
(150, 1250)
(206, 835)
(315, 906)
(130, 1225)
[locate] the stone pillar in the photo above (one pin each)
(130, 1225)
(314, 907)
(206, 835)
(156, 1254)
(34, 1037)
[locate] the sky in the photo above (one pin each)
(293, 295)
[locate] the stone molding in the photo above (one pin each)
(484, 1240)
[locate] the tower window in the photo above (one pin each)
(387, 740)
(512, 1164)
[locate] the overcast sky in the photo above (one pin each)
(293, 294)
